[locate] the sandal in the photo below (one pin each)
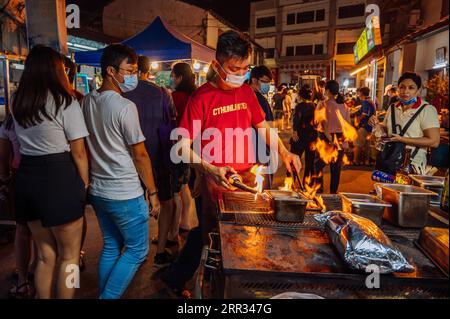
(15, 276)
(22, 291)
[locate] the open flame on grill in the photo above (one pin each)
(288, 182)
(310, 192)
(258, 171)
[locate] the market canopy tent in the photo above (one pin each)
(158, 42)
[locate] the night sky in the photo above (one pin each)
(235, 11)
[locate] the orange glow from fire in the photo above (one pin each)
(257, 170)
(320, 116)
(288, 182)
(345, 160)
(327, 152)
(349, 132)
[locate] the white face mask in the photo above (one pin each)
(234, 80)
(129, 84)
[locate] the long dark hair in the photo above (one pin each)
(44, 73)
(187, 83)
(333, 87)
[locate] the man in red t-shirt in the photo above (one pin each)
(216, 109)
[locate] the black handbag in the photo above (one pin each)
(391, 158)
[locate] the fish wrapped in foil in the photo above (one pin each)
(362, 243)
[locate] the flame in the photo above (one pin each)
(321, 203)
(288, 182)
(257, 170)
(327, 152)
(345, 160)
(349, 132)
(320, 116)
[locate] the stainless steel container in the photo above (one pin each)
(288, 206)
(410, 204)
(432, 183)
(364, 205)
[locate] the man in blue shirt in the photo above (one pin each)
(260, 79)
(366, 111)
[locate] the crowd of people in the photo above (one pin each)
(111, 149)
(61, 150)
(313, 114)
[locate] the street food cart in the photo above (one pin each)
(254, 255)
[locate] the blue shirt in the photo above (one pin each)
(265, 106)
(153, 103)
(368, 109)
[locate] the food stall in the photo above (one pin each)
(257, 253)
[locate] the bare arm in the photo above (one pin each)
(144, 168)
(431, 138)
(79, 154)
(188, 155)
(5, 158)
(143, 165)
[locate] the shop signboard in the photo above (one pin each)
(369, 39)
(82, 83)
(162, 78)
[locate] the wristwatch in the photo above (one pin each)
(153, 194)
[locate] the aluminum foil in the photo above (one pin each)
(362, 243)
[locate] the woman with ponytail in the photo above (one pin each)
(331, 131)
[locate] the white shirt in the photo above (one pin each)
(427, 119)
(113, 125)
(52, 137)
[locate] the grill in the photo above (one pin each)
(268, 220)
(247, 210)
(260, 257)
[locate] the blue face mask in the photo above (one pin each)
(130, 82)
(412, 101)
(265, 88)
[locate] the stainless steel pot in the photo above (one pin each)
(410, 204)
(364, 205)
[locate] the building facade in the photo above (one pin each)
(308, 37)
(413, 34)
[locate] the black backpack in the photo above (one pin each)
(391, 158)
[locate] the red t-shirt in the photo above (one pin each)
(180, 99)
(222, 110)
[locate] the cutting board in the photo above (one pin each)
(435, 243)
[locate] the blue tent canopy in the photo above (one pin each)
(159, 43)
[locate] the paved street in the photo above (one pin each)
(143, 286)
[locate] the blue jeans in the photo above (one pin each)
(124, 225)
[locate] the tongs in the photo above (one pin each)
(296, 177)
(302, 190)
(236, 181)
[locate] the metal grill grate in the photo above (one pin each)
(268, 220)
(332, 201)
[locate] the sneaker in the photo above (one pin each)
(163, 259)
